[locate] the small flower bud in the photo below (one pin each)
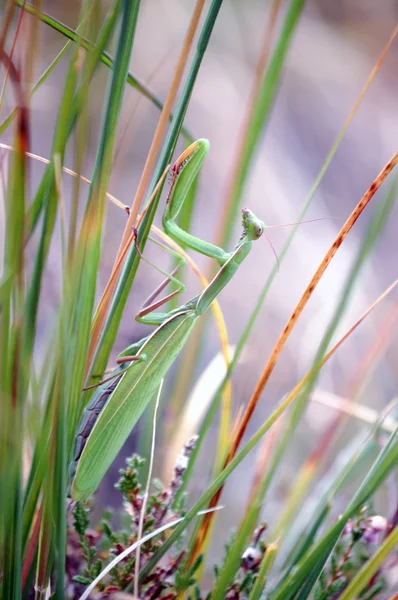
(251, 558)
(348, 528)
(190, 445)
(181, 464)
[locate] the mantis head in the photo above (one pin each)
(253, 227)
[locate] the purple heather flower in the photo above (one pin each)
(375, 526)
(348, 528)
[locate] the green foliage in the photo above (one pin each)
(185, 576)
(128, 483)
(350, 553)
(99, 545)
(81, 521)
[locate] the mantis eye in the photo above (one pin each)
(260, 229)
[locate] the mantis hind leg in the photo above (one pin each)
(146, 314)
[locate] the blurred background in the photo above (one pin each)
(336, 46)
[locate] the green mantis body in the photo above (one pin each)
(115, 407)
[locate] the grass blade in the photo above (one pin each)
(313, 563)
(131, 262)
(106, 59)
(371, 567)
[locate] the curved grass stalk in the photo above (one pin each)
(307, 473)
(265, 427)
(267, 286)
(269, 366)
(146, 493)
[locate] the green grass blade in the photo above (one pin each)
(47, 201)
(313, 563)
(261, 111)
(105, 58)
(75, 325)
(38, 469)
(88, 248)
(8, 120)
(234, 556)
(13, 376)
(371, 567)
(75, 105)
(50, 200)
(259, 117)
(357, 462)
(265, 567)
(306, 539)
(131, 262)
(216, 484)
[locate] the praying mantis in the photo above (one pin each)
(117, 403)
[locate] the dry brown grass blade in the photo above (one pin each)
(14, 43)
(279, 411)
(112, 281)
(145, 177)
(344, 231)
(162, 123)
(68, 172)
(370, 78)
(7, 21)
(345, 409)
(269, 367)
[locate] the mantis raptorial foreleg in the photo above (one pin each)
(115, 408)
